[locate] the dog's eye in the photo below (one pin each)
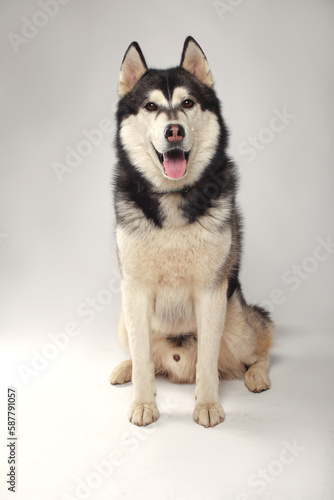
(188, 103)
(151, 106)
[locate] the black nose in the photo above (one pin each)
(174, 133)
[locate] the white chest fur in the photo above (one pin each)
(173, 263)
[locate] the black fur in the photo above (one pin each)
(218, 180)
(181, 340)
(127, 186)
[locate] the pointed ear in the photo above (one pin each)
(132, 69)
(193, 60)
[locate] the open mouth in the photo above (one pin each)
(174, 162)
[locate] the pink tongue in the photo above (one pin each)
(175, 168)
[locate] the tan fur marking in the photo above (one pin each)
(179, 95)
(158, 98)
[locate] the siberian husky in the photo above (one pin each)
(178, 232)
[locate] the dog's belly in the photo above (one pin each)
(174, 267)
(174, 311)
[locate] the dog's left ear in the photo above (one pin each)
(132, 69)
(193, 60)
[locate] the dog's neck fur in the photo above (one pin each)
(141, 188)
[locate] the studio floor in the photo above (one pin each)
(75, 440)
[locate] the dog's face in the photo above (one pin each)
(168, 121)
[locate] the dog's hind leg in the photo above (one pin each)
(122, 373)
(247, 338)
(256, 377)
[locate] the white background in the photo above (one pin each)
(57, 251)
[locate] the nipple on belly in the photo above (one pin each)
(176, 357)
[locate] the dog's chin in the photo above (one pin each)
(174, 163)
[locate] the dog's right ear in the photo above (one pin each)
(132, 69)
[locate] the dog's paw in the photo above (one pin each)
(122, 373)
(257, 380)
(208, 414)
(144, 413)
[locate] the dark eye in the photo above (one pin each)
(188, 103)
(150, 106)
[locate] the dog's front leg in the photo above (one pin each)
(137, 308)
(211, 309)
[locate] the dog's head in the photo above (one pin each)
(169, 120)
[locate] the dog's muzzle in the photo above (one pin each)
(174, 159)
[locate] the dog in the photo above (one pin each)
(179, 237)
